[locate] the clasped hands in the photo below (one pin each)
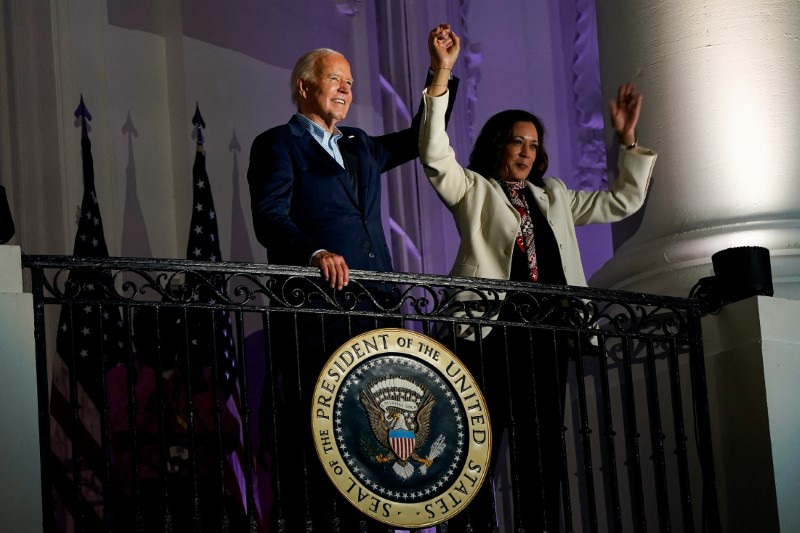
(443, 46)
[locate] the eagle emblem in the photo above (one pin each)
(399, 412)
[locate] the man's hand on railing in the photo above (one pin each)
(332, 267)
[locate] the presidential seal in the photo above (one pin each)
(401, 428)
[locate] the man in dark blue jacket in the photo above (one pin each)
(315, 189)
(315, 194)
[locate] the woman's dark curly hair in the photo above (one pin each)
(495, 134)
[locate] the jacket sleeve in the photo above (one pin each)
(394, 149)
(270, 176)
(438, 158)
(625, 196)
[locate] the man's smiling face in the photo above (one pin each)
(326, 98)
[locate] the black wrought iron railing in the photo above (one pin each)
(176, 395)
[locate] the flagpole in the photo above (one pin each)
(88, 337)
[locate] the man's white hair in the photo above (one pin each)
(306, 67)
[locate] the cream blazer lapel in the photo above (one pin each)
(541, 198)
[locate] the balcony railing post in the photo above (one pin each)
(657, 439)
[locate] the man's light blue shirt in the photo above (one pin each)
(328, 141)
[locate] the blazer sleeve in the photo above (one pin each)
(270, 176)
(438, 158)
(396, 148)
(625, 196)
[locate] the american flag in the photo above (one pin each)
(91, 338)
(203, 245)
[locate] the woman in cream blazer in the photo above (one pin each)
(487, 221)
(504, 208)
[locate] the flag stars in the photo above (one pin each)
(203, 245)
(90, 336)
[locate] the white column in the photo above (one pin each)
(21, 490)
(721, 80)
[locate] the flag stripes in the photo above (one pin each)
(90, 337)
(92, 458)
(203, 244)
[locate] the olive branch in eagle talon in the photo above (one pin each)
(399, 411)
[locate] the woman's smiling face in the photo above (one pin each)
(519, 152)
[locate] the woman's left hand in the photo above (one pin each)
(625, 112)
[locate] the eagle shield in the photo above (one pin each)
(402, 443)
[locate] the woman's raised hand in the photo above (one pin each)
(625, 112)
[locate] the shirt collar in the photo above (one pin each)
(316, 130)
